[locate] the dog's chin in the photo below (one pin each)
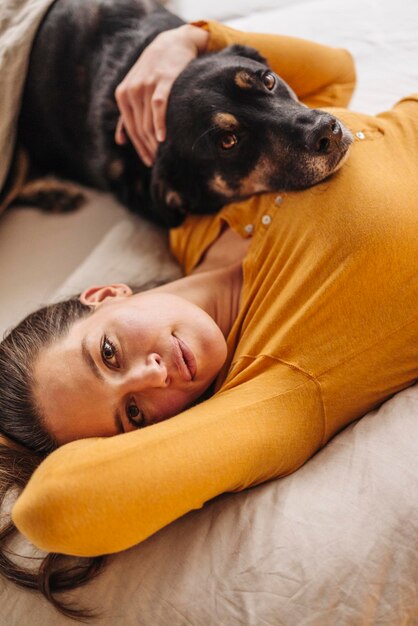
(342, 159)
(317, 176)
(339, 162)
(346, 141)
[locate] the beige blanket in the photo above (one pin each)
(19, 20)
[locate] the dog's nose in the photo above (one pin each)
(325, 136)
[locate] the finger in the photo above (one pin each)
(142, 129)
(159, 111)
(123, 96)
(148, 131)
(140, 146)
(120, 134)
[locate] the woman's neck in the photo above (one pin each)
(217, 291)
(216, 282)
(224, 303)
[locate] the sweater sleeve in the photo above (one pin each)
(321, 76)
(102, 495)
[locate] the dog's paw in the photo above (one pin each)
(51, 195)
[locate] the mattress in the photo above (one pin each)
(334, 543)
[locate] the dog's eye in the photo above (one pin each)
(228, 141)
(269, 80)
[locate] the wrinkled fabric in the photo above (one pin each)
(19, 20)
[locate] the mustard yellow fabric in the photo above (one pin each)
(327, 330)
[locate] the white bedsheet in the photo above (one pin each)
(333, 544)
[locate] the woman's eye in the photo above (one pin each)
(134, 415)
(269, 80)
(109, 353)
(228, 141)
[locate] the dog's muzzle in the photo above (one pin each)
(325, 136)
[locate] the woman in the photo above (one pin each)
(297, 315)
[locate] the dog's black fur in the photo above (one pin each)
(233, 127)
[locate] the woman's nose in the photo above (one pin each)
(150, 373)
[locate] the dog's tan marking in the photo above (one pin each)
(173, 199)
(244, 80)
(343, 160)
(51, 194)
(258, 180)
(115, 169)
(219, 185)
(226, 121)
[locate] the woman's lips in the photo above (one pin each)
(184, 359)
(188, 357)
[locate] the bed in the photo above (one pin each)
(336, 542)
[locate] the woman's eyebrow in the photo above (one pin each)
(88, 359)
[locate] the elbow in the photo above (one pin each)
(347, 79)
(39, 514)
(59, 510)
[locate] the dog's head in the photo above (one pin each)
(234, 129)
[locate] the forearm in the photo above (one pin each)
(320, 75)
(98, 496)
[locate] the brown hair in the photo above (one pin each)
(29, 443)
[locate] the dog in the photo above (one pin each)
(234, 128)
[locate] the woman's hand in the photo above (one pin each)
(142, 96)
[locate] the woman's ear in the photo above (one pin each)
(94, 296)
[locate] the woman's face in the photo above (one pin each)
(136, 360)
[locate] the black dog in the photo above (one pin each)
(234, 128)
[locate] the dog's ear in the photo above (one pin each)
(244, 51)
(168, 203)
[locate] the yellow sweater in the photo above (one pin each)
(327, 330)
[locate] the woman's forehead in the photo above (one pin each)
(64, 388)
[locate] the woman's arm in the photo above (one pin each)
(320, 75)
(98, 496)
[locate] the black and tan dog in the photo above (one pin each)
(234, 128)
